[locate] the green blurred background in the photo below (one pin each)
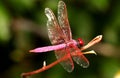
(23, 27)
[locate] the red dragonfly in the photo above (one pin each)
(60, 36)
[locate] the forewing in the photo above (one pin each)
(63, 20)
(78, 57)
(57, 36)
(67, 63)
(55, 33)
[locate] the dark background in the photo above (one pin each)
(23, 27)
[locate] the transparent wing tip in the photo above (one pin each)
(68, 69)
(61, 2)
(48, 13)
(46, 10)
(85, 66)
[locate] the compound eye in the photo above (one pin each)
(80, 42)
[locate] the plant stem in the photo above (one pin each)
(46, 67)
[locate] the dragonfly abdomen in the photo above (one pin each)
(48, 48)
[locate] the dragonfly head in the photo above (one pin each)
(80, 42)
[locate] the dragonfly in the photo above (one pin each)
(60, 36)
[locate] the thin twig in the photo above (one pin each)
(94, 41)
(24, 75)
(46, 67)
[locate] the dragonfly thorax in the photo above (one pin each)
(79, 42)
